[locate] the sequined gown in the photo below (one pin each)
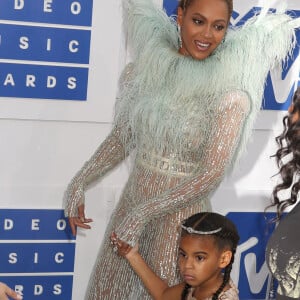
(184, 122)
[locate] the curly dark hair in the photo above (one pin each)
(228, 237)
(184, 4)
(288, 157)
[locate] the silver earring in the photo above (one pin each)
(179, 36)
(224, 39)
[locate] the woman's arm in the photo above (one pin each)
(231, 116)
(106, 157)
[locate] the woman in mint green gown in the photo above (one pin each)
(184, 120)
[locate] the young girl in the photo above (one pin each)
(207, 246)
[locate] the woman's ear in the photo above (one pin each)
(179, 16)
(225, 258)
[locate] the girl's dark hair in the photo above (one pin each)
(289, 148)
(184, 4)
(227, 237)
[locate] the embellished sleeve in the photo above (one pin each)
(109, 154)
(105, 158)
(220, 152)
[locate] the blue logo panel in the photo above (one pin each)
(51, 43)
(270, 102)
(44, 44)
(37, 268)
(37, 257)
(45, 82)
(41, 287)
(69, 12)
(27, 224)
(170, 7)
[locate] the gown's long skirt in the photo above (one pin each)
(112, 277)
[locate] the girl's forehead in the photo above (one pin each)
(197, 240)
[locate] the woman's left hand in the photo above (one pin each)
(120, 247)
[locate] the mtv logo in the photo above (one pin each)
(281, 86)
(250, 271)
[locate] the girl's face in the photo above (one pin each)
(203, 26)
(200, 262)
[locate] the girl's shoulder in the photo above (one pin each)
(231, 294)
(174, 292)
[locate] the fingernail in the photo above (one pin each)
(19, 297)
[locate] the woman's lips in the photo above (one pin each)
(202, 46)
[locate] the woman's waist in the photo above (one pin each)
(169, 165)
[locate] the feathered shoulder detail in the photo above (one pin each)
(161, 79)
(148, 24)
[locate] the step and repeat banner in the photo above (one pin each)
(37, 253)
(28, 50)
(49, 65)
(53, 55)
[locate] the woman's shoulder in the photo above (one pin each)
(147, 26)
(235, 97)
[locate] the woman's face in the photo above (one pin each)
(203, 26)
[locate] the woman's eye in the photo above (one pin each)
(197, 21)
(220, 27)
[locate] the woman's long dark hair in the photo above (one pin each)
(227, 237)
(289, 145)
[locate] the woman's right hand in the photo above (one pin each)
(79, 221)
(6, 292)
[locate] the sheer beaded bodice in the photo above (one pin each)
(161, 191)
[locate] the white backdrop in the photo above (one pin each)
(44, 142)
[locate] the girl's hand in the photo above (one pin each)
(6, 292)
(79, 221)
(122, 248)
